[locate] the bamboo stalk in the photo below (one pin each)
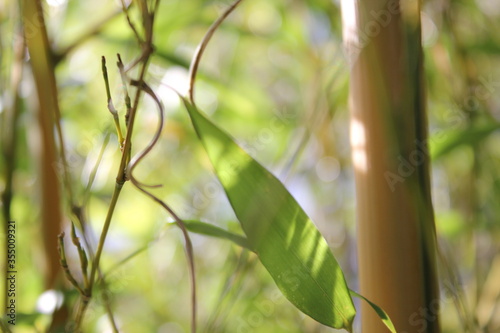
(42, 68)
(395, 225)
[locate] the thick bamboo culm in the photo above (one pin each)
(395, 225)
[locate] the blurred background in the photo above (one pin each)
(276, 78)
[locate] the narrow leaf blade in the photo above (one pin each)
(288, 244)
(207, 229)
(380, 312)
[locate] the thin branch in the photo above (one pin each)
(123, 76)
(193, 69)
(111, 106)
(64, 264)
(121, 177)
(49, 116)
(129, 21)
(107, 303)
(133, 163)
(44, 74)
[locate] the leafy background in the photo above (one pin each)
(275, 77)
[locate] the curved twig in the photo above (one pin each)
(193, 68)
(144, 58)
(140, 186)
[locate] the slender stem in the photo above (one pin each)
(189, 252)
(192, 78)
(93, 173)
(87, 294)
(44, 74)
(133, 163)
(104, 233)
(44, 79)
(64, 264)
(111, 106)
(147, 50)
(10, 143)
(84, 302)
(121, 177)
(129, 21)
(107, 304)
(193, 69)
(123, 76)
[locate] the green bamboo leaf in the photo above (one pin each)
(443, 143)
(380, 312)
(288, 244)
(207, 229)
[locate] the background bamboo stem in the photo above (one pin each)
(395, 225)
(43, 73)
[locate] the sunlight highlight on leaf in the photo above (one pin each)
(208, 229)
(277, 228)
